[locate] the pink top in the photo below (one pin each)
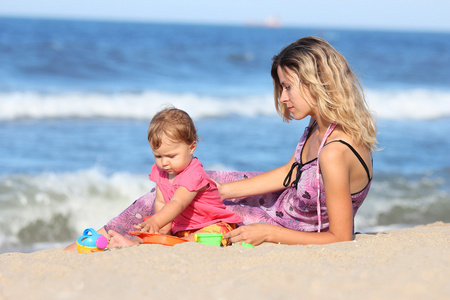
(304, 208)
(207, 207)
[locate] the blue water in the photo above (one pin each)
(76, 99)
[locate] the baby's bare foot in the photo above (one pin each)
(118, 240)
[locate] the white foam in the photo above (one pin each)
(86, 198)
(133, 106)
(417, 104)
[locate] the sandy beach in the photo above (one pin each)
(412, 263)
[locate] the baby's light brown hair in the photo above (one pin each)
(174, 124)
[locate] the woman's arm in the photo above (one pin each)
(335, 167)
(336, 163)
(258, 233)
(267, 182)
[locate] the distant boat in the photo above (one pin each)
(272, 22)
(269, 22)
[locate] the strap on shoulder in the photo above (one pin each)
(356, 154)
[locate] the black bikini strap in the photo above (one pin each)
(288, 178)
(356, 154)
(299, 167)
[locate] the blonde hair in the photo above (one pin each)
(335, 88)
(174, 124)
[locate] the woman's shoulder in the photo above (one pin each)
(340, 150)
(342, 144)
(340, 134)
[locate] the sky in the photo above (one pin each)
(416, 15)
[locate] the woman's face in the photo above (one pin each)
(291, 96)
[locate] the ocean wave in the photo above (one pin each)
(126, 106)
(410, 104)
(402, 201)
(404, 105)
(53, 209)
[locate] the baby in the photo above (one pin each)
(187, 200)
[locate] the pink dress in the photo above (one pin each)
(297, 208)
(207, 208)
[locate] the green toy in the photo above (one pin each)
(209, 238)
(247, 245)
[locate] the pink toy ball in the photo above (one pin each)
(101, 242)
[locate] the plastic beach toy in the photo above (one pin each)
(153, 238)
(209, 238)
(247, 245)
(91, 241)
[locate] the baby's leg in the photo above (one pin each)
(189, 237)
(118, 240)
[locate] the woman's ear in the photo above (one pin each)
(192, 147)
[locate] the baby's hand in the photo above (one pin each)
(138, 226)
(142, 225)
(147, 226)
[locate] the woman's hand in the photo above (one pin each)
(254, 234)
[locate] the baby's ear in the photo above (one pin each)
(192, 147)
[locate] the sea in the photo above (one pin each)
(76, 98)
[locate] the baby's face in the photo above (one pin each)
(173, 157)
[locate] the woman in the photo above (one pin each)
(333, 160)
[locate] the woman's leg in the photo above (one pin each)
(144, 206)
(248, 208)
(116, 230)
(134, 214)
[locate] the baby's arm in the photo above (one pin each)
(159, 204)
(168, 212)
(159, 200)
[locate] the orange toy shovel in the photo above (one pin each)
(153, 238)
